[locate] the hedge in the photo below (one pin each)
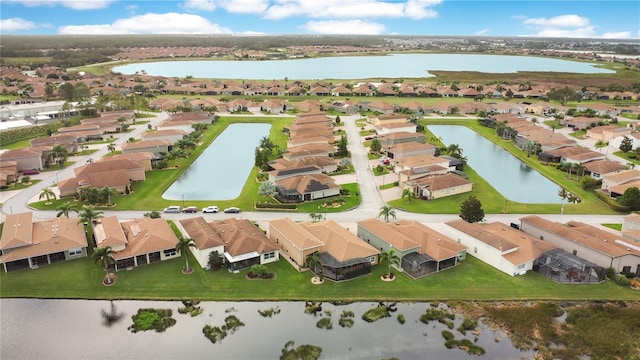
(612, 203)
(276, 206)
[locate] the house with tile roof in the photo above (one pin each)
(407, 149)
(396, 127)
(393, 138)
(281, 174)
(25, 159)
(170, 135)
(616, 183)
(344, 256)
(501, 246)
(155, 146)
(599, 168)
(113, 173)
(137, 242)
(8, 172)
(326, 163)
(436, 185)
(28, 244)
(294, 241)
(608, 132)
(309, 187)
(572, 154)
(204, 237)
(606, 248)
(422, 250)
(320, 149)
(245, 244)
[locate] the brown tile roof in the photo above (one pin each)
(623, 176)
(108, 232)
(311, 149)
(146, 235)
(308, 183)
(410, 146)
(389, 233)
(17, 231)
(439, 182)
(18, 154)
(320, 161)
(483, 234)
(300, 237)
(107, 166)
(145, 144)
(603, 166)
(586, 235)
(160, 133)
(339, 242)
(400, 134)
(49, 236)
(201, 232)
(242, 237)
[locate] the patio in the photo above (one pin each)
(564, 268)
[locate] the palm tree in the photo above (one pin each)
(65, 209)
(58, 154)
(390, 258)
(105, 194)
(408, 195)
(111, 148)
(88, 214)
(387, 211)
(48, 194)
(313, 262)
(600, 144)
(105, 256)
(563, 193)
(182, 247)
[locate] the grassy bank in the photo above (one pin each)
(471, 280)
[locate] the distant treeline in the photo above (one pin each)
(63, 58)
(37, 42)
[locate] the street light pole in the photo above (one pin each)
(182, 200)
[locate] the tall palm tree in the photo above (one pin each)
(58, 154)
(105, 256)
(47, 193)
(88, 214)
(111, 147)
(387, 211)
(313, 262)
(66, 208)
(390, 258)
(182, 247)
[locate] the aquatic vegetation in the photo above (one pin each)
(325, 323)
(152, 319)
(312, 307)
(269, 312)
(346, 319)
(376, 313)
(467, 325)
(464, 344)
(190, 307)
(302, 352)
(216, 334)
(401, 319)
(441, 315)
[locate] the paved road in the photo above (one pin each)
(370, 194)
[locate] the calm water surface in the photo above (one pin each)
(221, 170)
(511, 177)
(74, 329)
(358, 67)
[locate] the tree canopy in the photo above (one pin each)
(471, 210)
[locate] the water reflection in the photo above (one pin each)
(112, 316)
(42, 329)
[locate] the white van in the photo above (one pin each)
(172, 209)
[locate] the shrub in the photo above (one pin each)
(259, 271)
(376, 313)
(589, 183)
(401, 319)
(325, 323)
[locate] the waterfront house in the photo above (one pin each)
(306, 188)
(422, 250)
(30, 244)
(436, 185)
(245, 244)
(204, 237)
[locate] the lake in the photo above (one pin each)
(511, 177)
(221, 171)
(75, 329)
(358, 67)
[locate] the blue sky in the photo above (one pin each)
(564, 18)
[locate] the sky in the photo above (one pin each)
(531, 18)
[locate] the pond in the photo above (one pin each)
(222, 169)
(514, 179)
(64, 329)
(359, 67)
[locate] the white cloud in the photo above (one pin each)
(482, 32)
(335, 27)
(199, 5)
(340, 9)
(586, 32)
(132, 7)
(15, 24)
(559, 21)
(71, 4)
(617, 35)
(244, 6)
(169, 23)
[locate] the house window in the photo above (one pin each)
(371, 259)
(270, 255)
(626, 269)
(75, 252)
(475, 249)
(170, 252)
(575, 252)
(521, 266)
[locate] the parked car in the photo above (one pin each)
(172, 209)
(30, 171)
(232, 210)
(383, 159)
(190, 209)
(210, 209)
(370, 137)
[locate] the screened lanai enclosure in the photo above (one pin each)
(343, 270)
(565, 268)
(418, 265)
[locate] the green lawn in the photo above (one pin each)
(626, 156)
(471, 280)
